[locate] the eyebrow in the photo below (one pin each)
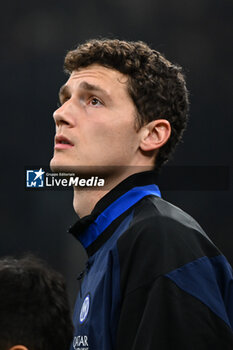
(65, 91)
(91, 87)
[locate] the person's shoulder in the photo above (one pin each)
(161, 231)
(160, 239)
(155, 215)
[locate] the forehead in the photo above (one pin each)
(109, 79)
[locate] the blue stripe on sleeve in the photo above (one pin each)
(210, 280)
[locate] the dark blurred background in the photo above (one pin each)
(35, 37)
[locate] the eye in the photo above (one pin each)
(62, 100)
(94, 101)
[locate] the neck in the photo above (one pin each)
(85, 200)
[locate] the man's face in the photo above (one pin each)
(95, 124)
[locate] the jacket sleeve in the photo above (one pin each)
(160, 315)
(177, 290)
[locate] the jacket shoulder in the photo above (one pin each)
(160, 238)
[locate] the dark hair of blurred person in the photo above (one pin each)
(34, 309)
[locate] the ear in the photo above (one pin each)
(18, 347)
(155, 134)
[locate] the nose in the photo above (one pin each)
(63, 116)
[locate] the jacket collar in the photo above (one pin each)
(117, 201)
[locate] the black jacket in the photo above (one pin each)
(154, 279)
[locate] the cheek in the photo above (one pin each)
(127, 133)
(111, 130)
(116, 136)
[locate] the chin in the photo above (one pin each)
(57, 166)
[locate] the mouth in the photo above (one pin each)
(61, 142)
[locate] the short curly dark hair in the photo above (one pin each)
(156, 86)
(34, 308)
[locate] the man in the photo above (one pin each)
(153, 280)
(34, 309)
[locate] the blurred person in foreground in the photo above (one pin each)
(34, 309)
(154, 280)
